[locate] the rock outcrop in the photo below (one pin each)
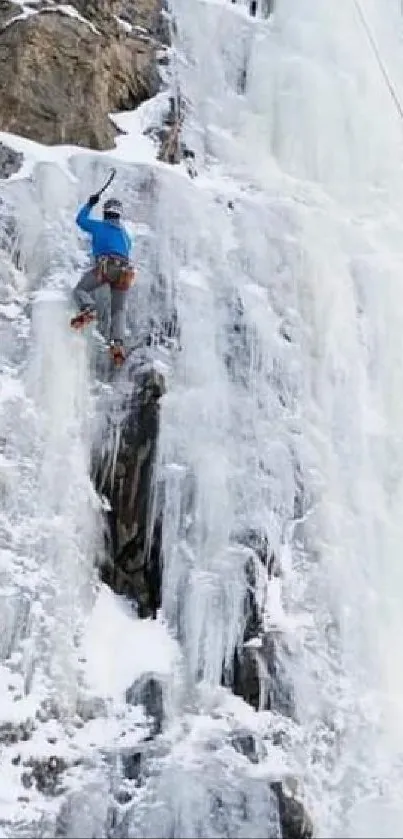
(62, 74)
(257, 673)
(10, 161)
(295, 821)
(148, 692)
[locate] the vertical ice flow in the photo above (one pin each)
(301, 404)
(63, 501)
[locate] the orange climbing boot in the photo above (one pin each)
(83, 318)
(117, 352)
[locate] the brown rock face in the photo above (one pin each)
(97, 9)
(61, 76)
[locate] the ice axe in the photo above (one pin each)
(108, 181)
(93, 199)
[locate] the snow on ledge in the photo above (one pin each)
(70, 11)
(131, 147)
(119, 648)
(63, 8)
(124, 24)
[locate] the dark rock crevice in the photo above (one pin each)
(126, 478)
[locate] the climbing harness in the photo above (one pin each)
(116, 271)
(378, 57)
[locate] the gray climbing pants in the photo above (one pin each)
(83, 296)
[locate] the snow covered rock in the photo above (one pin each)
(10, 161)
(260, 678)
(84, 813)
(45, 775)
(294, 819)
(258, 673)
(65, 68)
(148, 691)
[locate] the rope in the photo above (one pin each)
(378, 58)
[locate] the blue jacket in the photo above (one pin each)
(108, 237)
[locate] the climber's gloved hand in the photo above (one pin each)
(93, 199)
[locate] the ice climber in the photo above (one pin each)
(111, 249)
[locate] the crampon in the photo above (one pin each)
(117, 353)
(83, 319)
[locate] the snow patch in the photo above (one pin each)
(10, 311)
(123, 23)
(64, 8)
(192, 277)
(49, 295)
(119, 648)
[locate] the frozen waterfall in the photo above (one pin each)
(287, 255)
(280, 427)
